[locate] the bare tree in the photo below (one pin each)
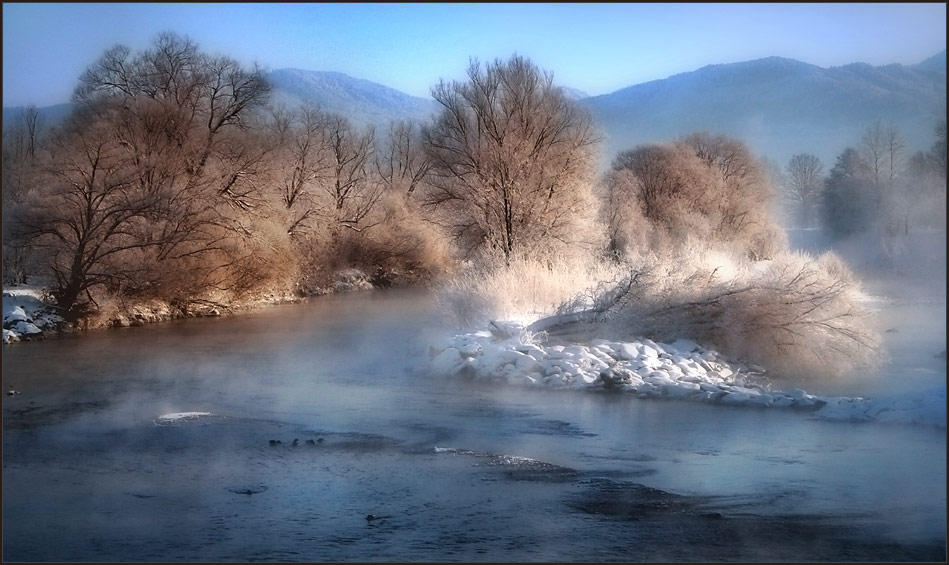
(512, 161)
(159, 155)
(403, 164)
(86, 209)
(619, 211)
(20, 168)
(742, 196)
(301, 165)
(20, 142)
(937, 153)
(872, 149)
(805, 178)
(668, 183)
(351, 190)
(326, 173)
(881, 147)
(176, 91)
(894, 150)
(29, 124)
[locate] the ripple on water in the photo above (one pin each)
(36, 415)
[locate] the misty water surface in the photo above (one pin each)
(449, 470)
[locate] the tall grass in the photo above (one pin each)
(522, 290)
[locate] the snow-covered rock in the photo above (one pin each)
(26, 316)
(682, 370)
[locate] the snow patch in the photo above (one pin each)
(682, 370)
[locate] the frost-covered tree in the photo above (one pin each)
(150, 186)
(666, 183)
(740, 203)
(703, 187)
(512, 161)
(805, 181)
(937, 153)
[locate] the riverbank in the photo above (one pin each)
(507, 354)
(29, 314)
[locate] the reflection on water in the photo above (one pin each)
(315, 435)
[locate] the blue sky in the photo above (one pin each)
(597, 48)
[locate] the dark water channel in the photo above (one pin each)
(450, 471)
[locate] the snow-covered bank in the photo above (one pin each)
(26, 316)
(683, 370)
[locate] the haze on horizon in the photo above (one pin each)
(595, 48)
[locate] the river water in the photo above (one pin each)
(396, 465)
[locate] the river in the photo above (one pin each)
(393, 464)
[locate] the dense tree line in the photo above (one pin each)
(174, 178)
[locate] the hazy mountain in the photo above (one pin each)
(362, 101)
(48, 115)
(779, 106)
(936, 63)
(574, 93)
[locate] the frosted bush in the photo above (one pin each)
(523, 291)
(795, 315)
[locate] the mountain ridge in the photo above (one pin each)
(362, 101)
(777, 105)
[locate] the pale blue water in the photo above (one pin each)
(453, 471)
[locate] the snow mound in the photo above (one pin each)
(682, 370)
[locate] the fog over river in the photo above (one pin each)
(175, 442)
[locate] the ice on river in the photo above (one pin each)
(177, 416)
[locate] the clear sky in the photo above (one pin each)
(596, 48)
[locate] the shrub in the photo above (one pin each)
(796, 315)
(704, 186)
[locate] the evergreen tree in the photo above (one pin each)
(848, 202)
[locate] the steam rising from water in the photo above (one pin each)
(459, 471)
